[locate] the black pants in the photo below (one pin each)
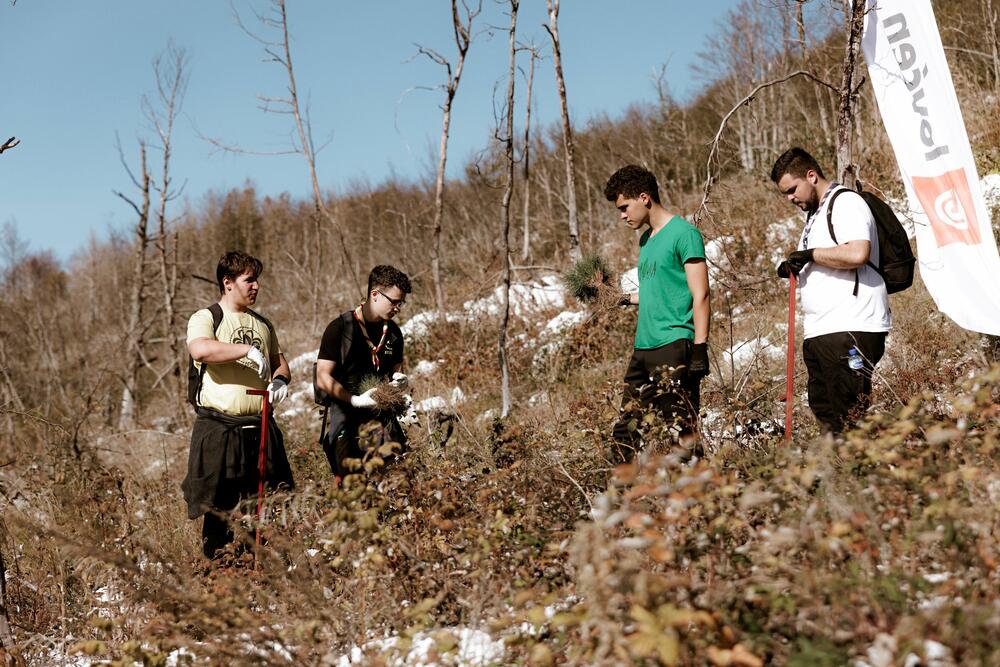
(658, 379)
(836, 391)
(352, 432)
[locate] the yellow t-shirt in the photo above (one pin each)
(224, 386)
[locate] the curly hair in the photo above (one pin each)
(234, 264)
(630, 181)
(384, 275)
(795, 162)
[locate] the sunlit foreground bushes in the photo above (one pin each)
(806, 554)
(802, 556)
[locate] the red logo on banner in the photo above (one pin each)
(947, 201)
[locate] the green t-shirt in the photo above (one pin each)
(666, 311)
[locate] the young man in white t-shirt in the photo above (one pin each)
(843, 297)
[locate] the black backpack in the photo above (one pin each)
(895, 257)
(195, 375)
(320, 396)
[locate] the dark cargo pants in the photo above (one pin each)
(835, 391)
(658, 379)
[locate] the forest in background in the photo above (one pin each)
(503, 517)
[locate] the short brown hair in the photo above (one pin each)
(630, 181)
(795, 162)
(384, 275)
(234, 264)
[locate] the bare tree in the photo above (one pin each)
(567, 132)
(508, 142)
(171, 83)
(991, 19)
(712, 167)
(280, 52)
(533, 52)
(461, 22)
(6, 635)
(854, 12)
(136, 328)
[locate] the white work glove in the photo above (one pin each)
(256, 357)
(277, 390)
(365, 400)
(400, 380)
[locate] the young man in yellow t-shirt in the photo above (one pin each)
(241, 353)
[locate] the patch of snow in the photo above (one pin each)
(425, 367)
(629, 282)
(566, 319)
(419, 325)
(524, 298)
(541, 398)
(59, 657)
(716, 256)
(302, 364)
(175, 657)
(881, 653)
(782, 237)
(936, 654)
(990, 185)
(473, 649)
(746, 351)
(433, 404)
(937, 577)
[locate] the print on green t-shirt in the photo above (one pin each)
(666, 312)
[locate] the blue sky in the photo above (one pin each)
(73, 74)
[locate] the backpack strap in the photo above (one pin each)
(267, 322)
(216, 311)
(829, 227)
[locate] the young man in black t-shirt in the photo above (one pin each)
(376, 348)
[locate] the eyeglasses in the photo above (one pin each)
(396, 303)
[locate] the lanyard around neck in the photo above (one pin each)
(811, 218)
(372, 347)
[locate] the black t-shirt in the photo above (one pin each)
(358, 364)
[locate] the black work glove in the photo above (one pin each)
(699, 360)
(796, 262)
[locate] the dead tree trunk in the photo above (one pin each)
(462, 27)
(306, 146)
(854, 11)
(990, 18)
(508, 142)
(7, 655)
(135, 330)
(568, 149)
(280, 52)
(170, 85)
(526, 157)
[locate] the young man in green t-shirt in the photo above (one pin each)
(671, 339)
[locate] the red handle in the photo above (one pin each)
(261, 458)
(790, 357)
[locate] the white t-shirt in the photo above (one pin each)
(828, 300)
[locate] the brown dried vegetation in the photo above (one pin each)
(806, 553)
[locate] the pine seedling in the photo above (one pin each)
(388, 397)
(592, 282)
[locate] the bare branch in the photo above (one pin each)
(10, 143)
(710, 177)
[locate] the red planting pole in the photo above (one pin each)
(790, 366)
(261, 463)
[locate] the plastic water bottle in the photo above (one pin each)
(854, 360)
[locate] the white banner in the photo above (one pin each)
(956, 250)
